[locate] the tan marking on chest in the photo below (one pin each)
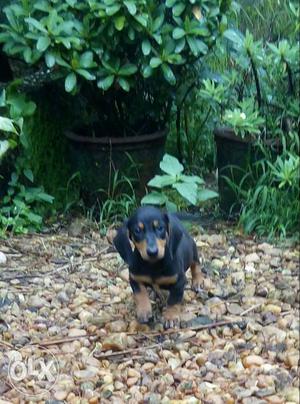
(166, 280)
(141, 278)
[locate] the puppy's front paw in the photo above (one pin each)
(171, 316)
(144, 316)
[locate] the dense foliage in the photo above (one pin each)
(123, 57)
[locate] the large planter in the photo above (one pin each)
(96, 159)
(234, 156)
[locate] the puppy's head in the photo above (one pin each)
(148, 230)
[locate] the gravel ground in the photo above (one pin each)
(69, 296)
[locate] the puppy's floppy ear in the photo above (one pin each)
(122, 244)
(174, 234)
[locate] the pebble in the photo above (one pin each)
(131, 381)
(76, 332)
(3, 259)
(216, 306)
(253, 360)
(254, 257)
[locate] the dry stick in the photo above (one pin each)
(251, 308)
(6, 344)
(126, 351)
(62, 340)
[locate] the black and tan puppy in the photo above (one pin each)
(158, 251)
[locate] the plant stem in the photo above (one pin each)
(179, 145)
(258, 92)
(290, 78)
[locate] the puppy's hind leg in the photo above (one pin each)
(197, 277)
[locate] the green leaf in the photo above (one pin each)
(155, 62)
(119, 22)
(171, 207)
(28, 174)
(146, 47)
(7, 125)
(171, 165)
(86, 60)
(168, 74)
(192, 178)
(188, 191)
(147, 71)
(46, 197)
(70, 82)
(127, 70)
(158, 22)
(50, 59)
(160, 181)
(124, 84)
(178, 33)
(106, 83)
(86, 74)
(206, 194)
(154, 198)
(43, 43)
(36, 24)
(234, 36)
(170, 3)
(113, 9)
(4, 146)
(131, 7)
(34, 218)
(178, 9)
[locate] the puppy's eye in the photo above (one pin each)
(160, 228)
(137, 231)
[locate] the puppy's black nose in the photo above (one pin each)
(152, 251)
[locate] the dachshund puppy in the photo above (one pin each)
(158, 251)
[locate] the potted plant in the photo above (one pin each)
(256, 102)
(121, 61)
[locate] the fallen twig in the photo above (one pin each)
(126, 351)
(251, 308)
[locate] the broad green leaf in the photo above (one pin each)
(34, 218)
(170, 3)
(131, 7)
(168, 74)
(113, 9)
(119, 22)
(235, 36)
(4, 146)
(50, 59)
(154, 198)
(188, 191)
(86, 60)
(206, 194)
(124, 84)
(46, 197)
(127, 70)
(158, 22)
(146, 47)
(43, 43)
(155, 62)
(70, 82)
(36, 24)
(147, 71)
(171, 165)
(7, 125)
(171, 207)
(178, 33)
(192, 178)
(28, 174)
(160, 181)
(86, 74)
(178, 9)
(106, 83)
(142, 19)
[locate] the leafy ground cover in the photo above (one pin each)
(68, 291)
